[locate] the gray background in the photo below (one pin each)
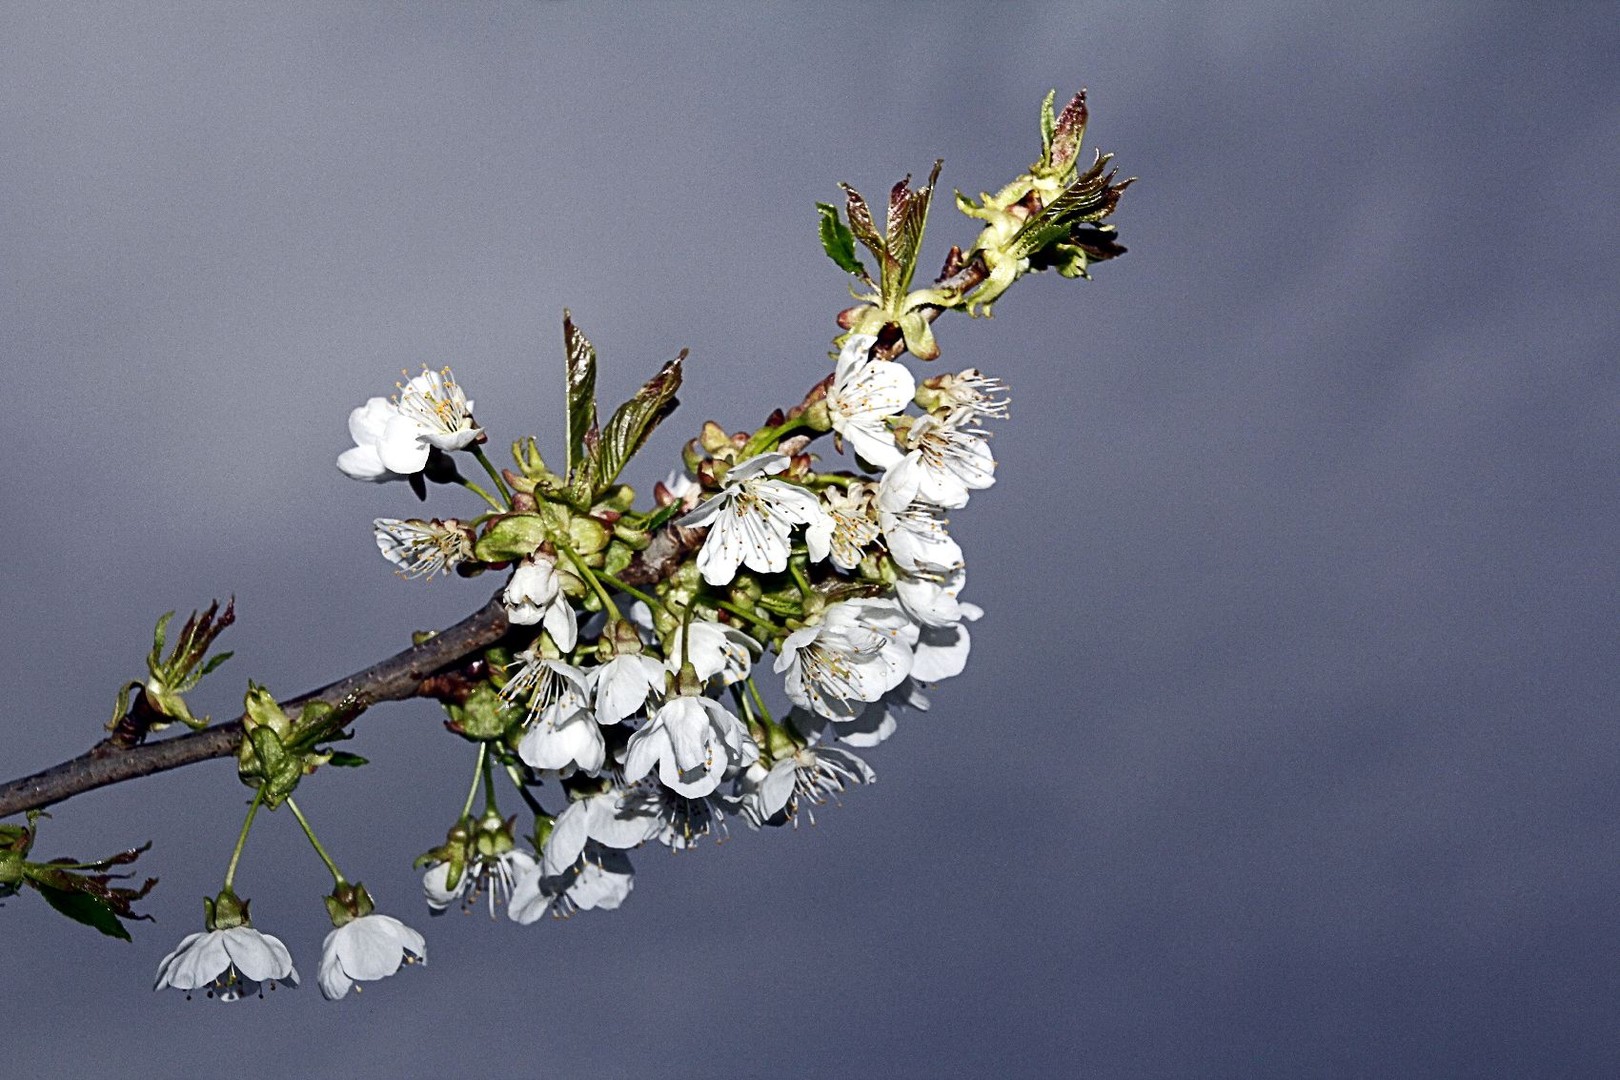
(1288, 747)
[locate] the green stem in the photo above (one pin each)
(727, 605)
(523, 790)
(481, 493)
(494, 474)
(805, 589)
(303, 822)
(759, 702)
(489, 789)
(590, 578)
(241, 840)
(631, 591)
(767, 438)
(478, 773)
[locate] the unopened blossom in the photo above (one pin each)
(865, 393)
(750, 521)
(850, 525)
(227, 964)
(366, 948)
(562, 727)
(422, 548)
(622, 685)
(945, 460)
(436, 403)
(717, 650)
(693, 741)
(857, 652)
(535, 595)
(807, 778)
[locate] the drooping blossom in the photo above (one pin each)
(366, 948)
(227, 964)
(535, 595)
(804, 779)
(717, 650)
(562, 726)
(601, 878)
(693, 741)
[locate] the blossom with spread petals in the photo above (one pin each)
(393, 439)
(227, 964)
(717, 650)
(857, 652)
(366, 948)
(944, 461)
(434, 401)
(914, 530)
(865, 392)
(422, 548)
(751, 520)
(849, 526)
(622, 685)
(562, 726)
(807, 778)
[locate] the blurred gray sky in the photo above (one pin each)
(1288, 747)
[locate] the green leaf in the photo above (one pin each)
(633, 421)
(509, 538)
(345, 760)
(84, 908)
(581, 387)
(838, 242)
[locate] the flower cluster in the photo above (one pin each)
(648, 707)
(721, 654)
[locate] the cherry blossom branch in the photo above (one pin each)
(399, 677)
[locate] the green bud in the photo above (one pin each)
(587, 536)
(484, 715)
(510, 537)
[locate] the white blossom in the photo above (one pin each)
(848, 528)
(227, 964)
(600, 878)
(864, 394)
(913, 530)
(930, 597)
(492, 876)
(941, 652)
(369, 947)
(369, 428)
(716, 650)
(535, 595)
(622, 685)
(972, 394)
(857, 652)
(944, 461)
(434, 401)
(808, 777)
(422, 548)
(750, 521)
(562, 726)
(692, 741)
(676, 821)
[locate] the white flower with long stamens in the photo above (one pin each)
(860, 650)
(534, 595)
(872, 725)
(751, 520)
(623, 684)
(434, 401)
(930, 596)
(227, 964)
(674, 820)
(914, 530)
(492, 876)
(864, 394)
(422, 548)
(717, 650)
(693, 741)
(944, 461)
(849, 527)
(807, 778)
(562, 727)
(974, 395)
(603, 818)
(369, 947)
